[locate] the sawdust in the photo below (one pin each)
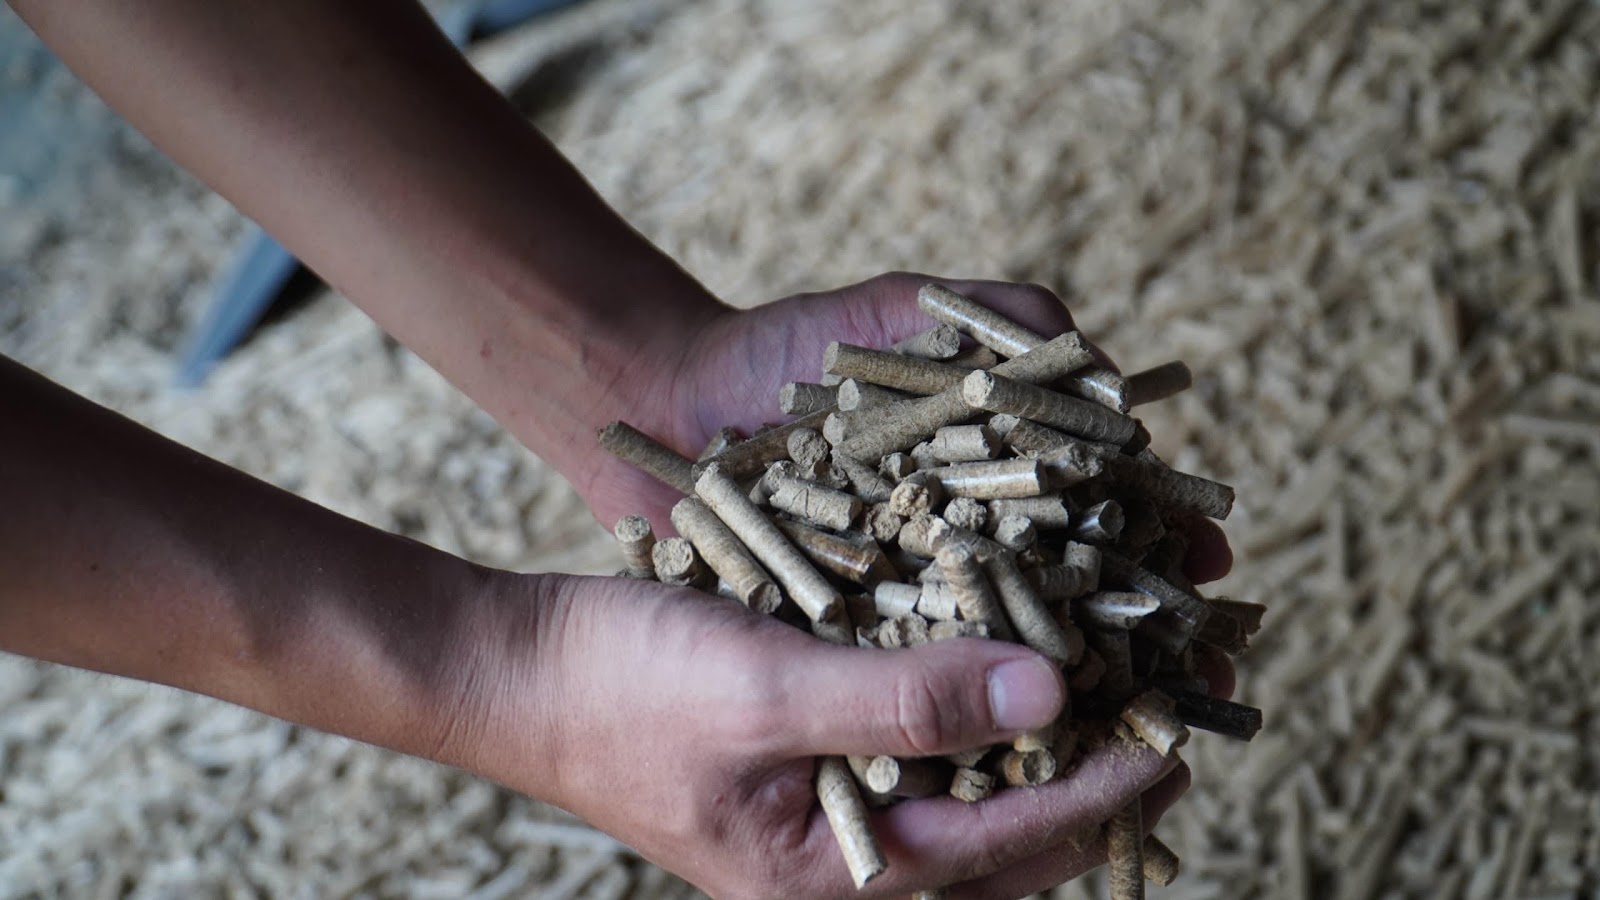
(1369, 228)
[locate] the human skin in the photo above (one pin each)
(680, 723)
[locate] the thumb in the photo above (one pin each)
(937, 698)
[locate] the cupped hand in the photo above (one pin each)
(687, 726)
(730, 371)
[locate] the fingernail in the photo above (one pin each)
(1023, 694)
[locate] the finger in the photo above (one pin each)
(1068, 860)
(1217, 669)
(1210, 557)
(937, 698)
(942, 840)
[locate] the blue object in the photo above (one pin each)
(262, 266)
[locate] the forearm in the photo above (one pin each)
(358, 136)
(125, 553)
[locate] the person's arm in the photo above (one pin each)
(682, 723)
(359, 137)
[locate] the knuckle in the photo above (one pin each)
(927, 720)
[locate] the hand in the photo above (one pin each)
(731, 370)
(687, 727)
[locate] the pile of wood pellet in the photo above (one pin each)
(924, 494)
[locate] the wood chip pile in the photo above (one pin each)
(1369, 228)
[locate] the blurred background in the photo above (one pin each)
(1372, 229)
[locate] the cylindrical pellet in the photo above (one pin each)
(891, 370)
(964, 443)
(1124, 846)
(636, 538)
(800, 398)
(726, 555)
(1100, 523)
(807, 448)
(942, 341)
(1055, 584)
(907, 423)
(851, 558)
(675, 562)
(938, 602)
(958, 561)
(896, 466)
(1027, 768)
(1016, 533)
(648, 454)
(1153, 718)
(970, 785)
(1045, 512)
(915, 495)
(1034, 624)
(922, 534)
(1159, 383)
(722, 440)
(813, 502)
(996, 393)
(991, 480)
(986, 326)
(855, 396)
(847, 816)
(1171, 489)
(864, 480)
(749, 457)
(1113, 609)
(801, 581)
(908, 777)
(892, 599)
(1161, 865)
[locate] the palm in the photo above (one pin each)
(733, 377)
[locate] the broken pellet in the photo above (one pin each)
(975, 598)
(1116, 683)
(1027, 768)
(1159, 383)
(909, 630)
(1084, 557)
(1125, 849)
(1045, 512)
(850, 556)
(881, 523)
(847, 816)
(970, 785)
(1071, 464)
(907, 777)
(807, 448)
(813, 502)
(990, 480)
(1100, 523)
(749, 457)
(648, 454)
(634, 535)
(902, 373)
(997, 393)
(922, 534)
(835, 629)
(1248, 614)
(942, 341)
(1099, 385)
(915, 495)
(1016, 533)
(966, 512)
(1034, 624)
(907, 423)
(1188, 611)
(976, 357)
(864, 480)
(675, 562)
(1152, 716)
(801, 581)
(896, 466)
(799, 398)
(1113, 609)
(855, 396)
(964, 443)
(726, 555)
(1161, 865)
(722, 440)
